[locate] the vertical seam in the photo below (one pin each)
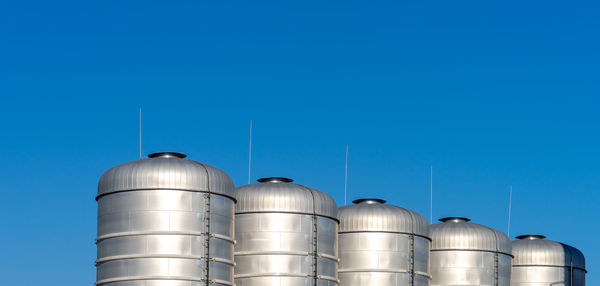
(207, 226)
(315, 237)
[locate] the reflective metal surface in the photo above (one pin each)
(286, 235)
(165, 221)
(382, 245)
(464, 253)
(540, 262)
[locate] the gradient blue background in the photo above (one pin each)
(490, 94)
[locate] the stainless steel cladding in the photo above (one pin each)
(165, 220)
(464, 253)
(540, 262)
(286, 235)
(382, 245)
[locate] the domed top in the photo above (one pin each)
(535, 250)
(457, 233)
(277, 194)
(165, 170)
(373, 215)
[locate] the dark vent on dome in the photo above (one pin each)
(275, 180)
(531, 236)
(369, 201)
(455, 219)
(167, 155)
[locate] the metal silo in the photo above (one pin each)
(164, 221)
(540, 262)
(286, 235)
(382, 245)
(464, 253)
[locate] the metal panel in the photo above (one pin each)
(163, 236)
(375, 215)
(469, 268)
(382, 245)
(285, 235)
(535, 250)
(544, 276)
(468, 254)
(159, 283)
(544, 262)
(165, 170)
(457, 233)
(284, 196)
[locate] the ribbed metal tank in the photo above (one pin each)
(382, 245)
(164, 221)
(540, 262)
(286, 235)
(464, 253)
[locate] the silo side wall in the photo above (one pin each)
(276, 249)
(159, 236)
(382, 258)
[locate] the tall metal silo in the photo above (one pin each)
(382, 245)
(464, 253)
(164, 221)
(286, 235)
(540, 262)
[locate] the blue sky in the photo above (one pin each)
(489, 94)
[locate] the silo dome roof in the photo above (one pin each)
(535, 250)
(278, 194)
(165, 170)
(456, 233)
(373, 215)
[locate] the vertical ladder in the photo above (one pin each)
(207, 238)
(314, 250)
(411, 265)
(496, 265)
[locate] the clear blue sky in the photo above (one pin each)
(490, 94)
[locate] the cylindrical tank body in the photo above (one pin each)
(464, 253)
(382, 245)
(286, 235)
(540, 262)
(164, 221)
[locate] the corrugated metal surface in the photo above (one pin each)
(532, 250)
(284, 197)
(382, 245)
(286, 235)
(468, 236)
(171, 231)
(467, 254)
(166, 172)
(545, 262)
(381, 217)
(469, 268)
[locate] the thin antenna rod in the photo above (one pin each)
(431, 193)
(140, 133)
(509, 210)
(250, 153)
(346, 176)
